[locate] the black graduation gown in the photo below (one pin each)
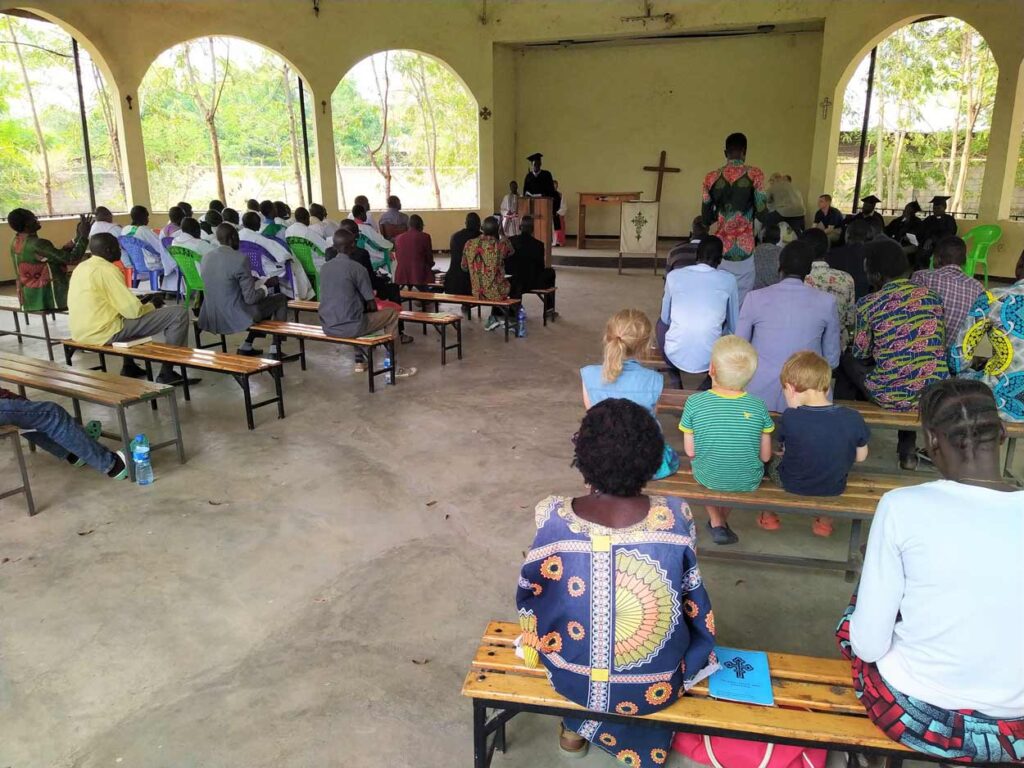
(898, 229)
(542, 184)
(874, 216)
(936, 227)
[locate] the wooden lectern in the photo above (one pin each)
(540, 208)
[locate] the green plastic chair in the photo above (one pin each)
(188, 269)
(303, 250)
(979, 240)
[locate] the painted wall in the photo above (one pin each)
(477, 39)
(600, 114)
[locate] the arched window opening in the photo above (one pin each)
(405, 125)
(59, 144)
(223, 118)
(929, 111)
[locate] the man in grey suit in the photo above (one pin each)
(232, 298)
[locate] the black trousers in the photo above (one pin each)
(850, 376)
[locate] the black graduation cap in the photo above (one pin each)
(940, 199)
(535, 156)
(870, 199)
(914, 206)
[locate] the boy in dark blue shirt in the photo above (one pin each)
(820, 441)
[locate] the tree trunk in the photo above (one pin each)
(895, 170)
(954, 143)
(385, 139)
(973, 109)
(112, 135)
(294, 138)
(47, 179)
(879, 153)
(211, 126)
(429, 127)
(341, 184)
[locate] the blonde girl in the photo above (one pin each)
(626, 334)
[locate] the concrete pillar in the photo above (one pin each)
(1004, 144)
(133, 153)
(320, 104)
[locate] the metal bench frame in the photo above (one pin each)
(50, 342)
(14, 436)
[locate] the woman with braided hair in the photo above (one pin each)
(935, 631)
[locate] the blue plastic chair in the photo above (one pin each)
(255, 253)
(136, 250)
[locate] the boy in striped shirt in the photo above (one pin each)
(726, 431)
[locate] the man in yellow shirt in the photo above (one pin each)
(102, 310)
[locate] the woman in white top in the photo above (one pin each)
(936, 630)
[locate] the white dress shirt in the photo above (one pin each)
(101, 227)
(940, 607)
(701, 304)
(298, 229)
(195, 244)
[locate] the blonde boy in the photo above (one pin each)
(726, 431)
(820, 441)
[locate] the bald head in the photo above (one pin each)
(302, 216)
(252, 221)
(103, 214)
(344, 240)
(191, 227)
(105, 246)
(227, 235)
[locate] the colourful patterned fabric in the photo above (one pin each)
(957, 291)
(963, 736)
(484, 259)
(997, 315)
(42, 271)
(901, 327)
(839, 284)
(733, 196)
(619, 617)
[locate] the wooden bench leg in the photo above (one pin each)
(19, 456)
(458, 336)
(17, 325)
(1011, 451)
(302, 351)
(276, 373)
(369, 366)
(394, 362)
(243, 382)
(444, 343)
(149, 375)
(184, 384)
(126, 442)
(46, 334)
(853, 551)
(481, 756)
(179, 441)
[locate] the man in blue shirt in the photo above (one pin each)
(701, 304)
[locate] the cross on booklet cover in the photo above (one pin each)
(744, 676)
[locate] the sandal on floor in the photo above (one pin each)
(769, 521)
(822, 526)
(570, 742)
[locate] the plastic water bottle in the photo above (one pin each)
(387, 365)
(140, 455)
(521, 323)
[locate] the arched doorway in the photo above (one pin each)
(59, 142)
(223, 117)
(928, 90)
(406, 125)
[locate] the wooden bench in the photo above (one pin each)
(547, 298)
(96, 387)
(857, 504)
(240, 367)
(815, 704)
(437, 299)
(673, 400)
(281, 329)
(439, 321)
(12, 305)
(13, 434)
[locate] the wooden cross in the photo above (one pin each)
(661, 169)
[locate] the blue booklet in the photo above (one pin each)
(744, 677)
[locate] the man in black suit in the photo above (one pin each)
(538, 182)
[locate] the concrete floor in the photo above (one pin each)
(310, 593)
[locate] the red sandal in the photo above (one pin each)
(769, 521)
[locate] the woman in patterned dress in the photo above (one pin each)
(997, 315)
(484, 258)
(610, 597)
(934, 631)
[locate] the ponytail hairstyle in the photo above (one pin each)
(964, 411)
(628, 331)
